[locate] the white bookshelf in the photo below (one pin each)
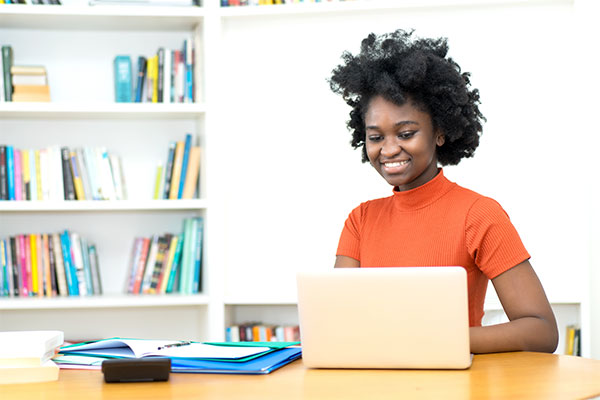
(262, 172)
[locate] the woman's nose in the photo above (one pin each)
(390, 147)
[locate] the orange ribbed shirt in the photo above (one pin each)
(436, 224)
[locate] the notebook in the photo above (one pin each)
(409, 317)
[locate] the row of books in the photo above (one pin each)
(48, 265)
(227, 3)
(48, 2)
(178, 177)
(573, 341)
(259, 332)
(166, 77)
(60, 173)
(169, 263)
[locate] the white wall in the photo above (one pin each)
(290, 178)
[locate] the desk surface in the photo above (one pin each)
(520, 375)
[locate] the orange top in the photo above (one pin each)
(436, 224)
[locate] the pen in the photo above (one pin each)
(178, 344)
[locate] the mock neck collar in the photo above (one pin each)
(423, 195)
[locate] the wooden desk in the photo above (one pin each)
(519, 375)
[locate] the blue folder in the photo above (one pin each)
(260, 365)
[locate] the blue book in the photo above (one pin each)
(197, 280)
(123, 79)
(175, 267)
(71, 274)
(184, 163)
(10, 172)
(259, 365)
(87, 270)
(141, 77)
(169, 170)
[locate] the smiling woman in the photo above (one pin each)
(413, 109)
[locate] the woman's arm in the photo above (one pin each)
(346, 262)
(532, 325)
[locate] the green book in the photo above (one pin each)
(7, 62)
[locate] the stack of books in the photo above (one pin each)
(26, 357)
(49, 265)
(178, 179)
(168, 263)
(186, 356)
(30, 83)
(60, 173)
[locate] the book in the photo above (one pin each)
(176, 173)
(69, 187)
(149, 269)
(166, 272)
(77, 183)
(7, 62)
(3, 174)
(28, 70)
(123, 79)
(160, 77)
(197, 258)
(158, 181)
(45, 372)
(184, 164)
(191, 176)
(141, 266)
(34, 263)
(28, 347)
(61, 279)
(118, 177)
(18, 167)
(70, 272)
(77, 262)
(175, 266)
(163, 246)
(95, 267)
(10, 172)
(168, 170)
(29, 80)
(36, 93)
(141, 75)
(134, 256)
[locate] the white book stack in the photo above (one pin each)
(26, 356)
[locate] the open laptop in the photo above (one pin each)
(408, 317)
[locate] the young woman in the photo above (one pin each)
(413, 109)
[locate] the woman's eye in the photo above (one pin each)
(406, 135)
(374, 138)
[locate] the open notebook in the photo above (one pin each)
(409, 317)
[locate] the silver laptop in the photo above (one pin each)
(409, 317)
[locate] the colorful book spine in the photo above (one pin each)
(23, 255)
(18, 175)
(87, 268)
(168, 264)
(46, 257)
(198, 243)
(77, 183)
(193, 170)
(95, 267)
(141, 75)
(10, 172)
(61, 279)
(3, 174)
(169, 170)
(140, 270)
(176, 174)
(176, 266)
(184, 164)
(34, 264)
(123, 79)
(38, 176)
(32, 172)
(157, 181)
(136, 252)
(71, 275)
(7, 62)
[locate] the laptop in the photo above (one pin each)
(401, 318)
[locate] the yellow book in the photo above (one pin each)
(570, 340)
(191, 175)
(29, 373)
(155, 79)
(26, 173)
(167, 271)
(77, 182)
(176, 175)
(34, 263)
(41, 260)
(38, 176)
(158, 181)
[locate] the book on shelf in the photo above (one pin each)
(167, 263)
(573, 340)
(25, 356)
(60, 173)
(169, 76)
(30, 83)
(178, 179)
(7, 62)
(123, 79)
(167, 3)
(260, 332)
(48, 265)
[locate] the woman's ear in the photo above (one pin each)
(440, 139)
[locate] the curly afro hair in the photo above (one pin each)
(400, 67)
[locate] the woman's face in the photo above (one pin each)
(401, 143)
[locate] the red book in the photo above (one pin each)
(139, 275)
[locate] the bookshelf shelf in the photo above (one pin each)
(129, 18)
(105, 301)
(122, 205)
(102, 110)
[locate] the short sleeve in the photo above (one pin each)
(349, 244)
(492, 239)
